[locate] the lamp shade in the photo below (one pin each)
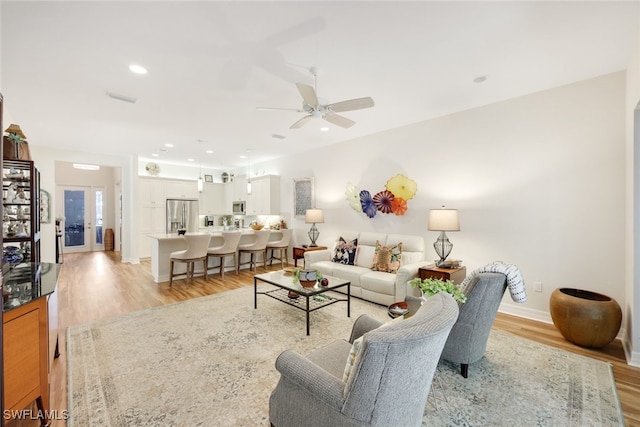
(314, 216)
(444, 220)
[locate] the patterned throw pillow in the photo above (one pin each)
(355, 347)
(387, 258)
(345, 252)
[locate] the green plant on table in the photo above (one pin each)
(431, 286)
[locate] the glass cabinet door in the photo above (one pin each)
(20, 215)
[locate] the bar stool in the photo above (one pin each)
(230, 247)
(197, 246)
(282, 246)
(259, 245)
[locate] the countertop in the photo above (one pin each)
(174, 236)
(27, 282)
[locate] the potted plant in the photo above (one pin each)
(431, 286)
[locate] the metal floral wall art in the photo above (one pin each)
(393, 199)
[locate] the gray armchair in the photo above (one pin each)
(467, 341)
(389, 382)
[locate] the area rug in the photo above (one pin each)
(210, 361)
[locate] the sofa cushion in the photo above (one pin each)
(345, 251)
(379, 282)
(352, 273)
(387, 258)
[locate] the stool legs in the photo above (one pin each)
(171, 275)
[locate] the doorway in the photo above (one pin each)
(83, 212)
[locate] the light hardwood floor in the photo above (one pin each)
(96, 285)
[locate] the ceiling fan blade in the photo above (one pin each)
(301, 122)
(339, 120)
(351, 104)
(297, 110)
(308, 94)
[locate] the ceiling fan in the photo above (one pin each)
(317, 109)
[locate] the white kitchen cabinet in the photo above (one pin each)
(182, 189)
(152, 191)
(240, 188)
(265, 196)
(213, 200)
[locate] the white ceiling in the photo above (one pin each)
(212, 63)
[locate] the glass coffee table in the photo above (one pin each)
(308, 299)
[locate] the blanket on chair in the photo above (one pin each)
(515, 282)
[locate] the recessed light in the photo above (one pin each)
(242, 156)
(155, 155)
(209, 151)
(168, 145)
(480, 79)
(324, 129)
(138, 69)
(191, 160)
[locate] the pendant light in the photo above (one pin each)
(249, 174)
(200, 181)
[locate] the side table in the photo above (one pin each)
(298, 252)
(457, 275)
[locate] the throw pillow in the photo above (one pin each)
(355, 347)
(387, 258)
(345, 252)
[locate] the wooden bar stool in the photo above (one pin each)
(229, 248)
(282, 246)
(258, 246)
(197, 247)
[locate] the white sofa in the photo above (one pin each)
(375, 286)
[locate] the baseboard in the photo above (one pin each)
(525, 312)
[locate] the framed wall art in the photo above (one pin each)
(303, 196)
(208, 178)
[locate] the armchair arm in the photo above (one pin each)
(362, 325)
(311, 377)
(405, 273)
(314, 256)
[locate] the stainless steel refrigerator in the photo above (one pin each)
(182, 214)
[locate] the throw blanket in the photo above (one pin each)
(515, 282)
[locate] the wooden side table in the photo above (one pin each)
(298, 252)
(455, 274)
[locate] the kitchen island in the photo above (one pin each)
(163, 244)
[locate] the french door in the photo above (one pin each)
(82, 210)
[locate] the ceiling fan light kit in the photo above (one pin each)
(317, 109)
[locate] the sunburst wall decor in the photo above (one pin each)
(393, 199)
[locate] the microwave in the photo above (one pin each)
(239, 208)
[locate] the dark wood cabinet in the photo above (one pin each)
(457, 275)
(21, 211)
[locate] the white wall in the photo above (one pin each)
(631, 325)
(538, 182)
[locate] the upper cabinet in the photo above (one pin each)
(21, 211)
(152, 192)
(265, 196)
(240, 188)
(215, 199)
(182, 190)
